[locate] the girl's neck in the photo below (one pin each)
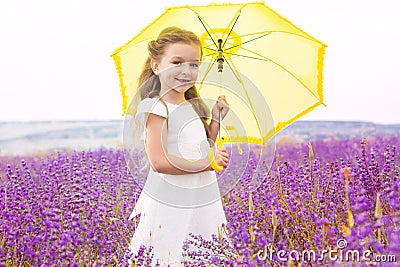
(173, 97)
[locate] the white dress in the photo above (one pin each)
(172, 206)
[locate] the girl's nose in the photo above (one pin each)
(186, 68)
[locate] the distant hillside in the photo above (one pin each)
(31, 137)
(312, 130)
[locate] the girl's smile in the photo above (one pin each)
(183, 80)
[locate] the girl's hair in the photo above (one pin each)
(149, 83)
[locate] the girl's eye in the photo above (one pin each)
(177, 63)
(194, 65)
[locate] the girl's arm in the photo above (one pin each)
(214, 129)
(156, 146)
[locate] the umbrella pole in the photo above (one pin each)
(220, 61)
(219, 123)
(220, 92)
(219, 140)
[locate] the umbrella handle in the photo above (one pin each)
(219, 143)
(211, 159)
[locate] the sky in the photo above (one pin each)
(55, 59)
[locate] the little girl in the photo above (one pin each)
(181, 193)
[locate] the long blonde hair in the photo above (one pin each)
(149, 84)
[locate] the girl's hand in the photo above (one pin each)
(221, 156)
(221, 105)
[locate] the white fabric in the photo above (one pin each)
(172, 206)
(146, 106)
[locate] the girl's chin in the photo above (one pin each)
(183, 87)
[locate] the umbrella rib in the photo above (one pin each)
(285, 69)
(292, 33)
(207, 47)
(296, 34)
(230, 67)
(254, 33)
(208, 55)
(237, 15)
(244, 89)
(258, 37)
(206, 73)
(234, 54)
(209, 34)
(203, 22)
(267, 33)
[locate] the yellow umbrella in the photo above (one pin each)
(281, 64)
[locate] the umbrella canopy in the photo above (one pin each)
(269, 69)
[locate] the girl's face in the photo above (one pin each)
(178, 67)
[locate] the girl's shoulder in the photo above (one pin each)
(152, 105)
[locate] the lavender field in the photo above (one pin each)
(71, 209)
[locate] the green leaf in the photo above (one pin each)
(310, 152)
(251, 206)
(378, 208)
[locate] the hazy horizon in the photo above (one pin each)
(122, 119)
